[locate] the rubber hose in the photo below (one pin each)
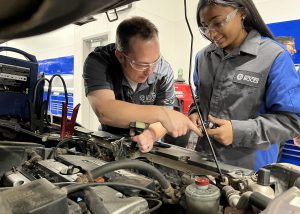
(243, 203)
(259, 200)
(131, 164)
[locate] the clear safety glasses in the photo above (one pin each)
(141, 66)
(218, 25)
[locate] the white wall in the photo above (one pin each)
(50, 45)
(167, 15)
(278, 10)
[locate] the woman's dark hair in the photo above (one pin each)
(253, 19)
(135, 26)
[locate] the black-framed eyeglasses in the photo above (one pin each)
(141, 66)
(217, 25)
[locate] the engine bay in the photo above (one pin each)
(53, 165)
(98, 172)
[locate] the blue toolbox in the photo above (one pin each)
(17, 81)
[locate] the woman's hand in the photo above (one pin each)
(223, 134)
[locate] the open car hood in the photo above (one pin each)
(32, 17)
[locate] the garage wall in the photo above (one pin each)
(50, 45)
(175, 39)
(278, 10)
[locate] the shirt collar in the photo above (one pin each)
(250, 45)
(151, 79)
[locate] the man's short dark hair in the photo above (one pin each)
(135, 26)
(285, 39)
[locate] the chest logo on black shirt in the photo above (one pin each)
(149, 98)
(247, 78)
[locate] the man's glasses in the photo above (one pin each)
(140, 66)
(217, 25)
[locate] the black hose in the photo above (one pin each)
(259, 200)
(64, 86)
(62, 184)
(131, 164)
(247, 198)
(40, 101)
(65, 140)
(159, 203)
(50, 91)
(43, 79)
(76, 187)
(243, 202)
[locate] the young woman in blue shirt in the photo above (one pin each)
(246, 83)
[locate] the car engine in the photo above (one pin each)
(98, 172)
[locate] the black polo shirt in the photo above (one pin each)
(102, 70)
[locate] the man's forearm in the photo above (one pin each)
(119, 113)
(158, 130)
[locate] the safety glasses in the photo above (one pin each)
(218, 25)
(140, 66)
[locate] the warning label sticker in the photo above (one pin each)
(14, 78)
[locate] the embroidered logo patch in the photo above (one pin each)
(247, 78)
(149, 98)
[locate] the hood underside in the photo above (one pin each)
(23, 18)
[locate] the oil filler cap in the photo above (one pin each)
(202, 181)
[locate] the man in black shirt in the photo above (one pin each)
(130, 81)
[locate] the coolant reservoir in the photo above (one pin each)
(202, 197)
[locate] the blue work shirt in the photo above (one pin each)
(257, 89)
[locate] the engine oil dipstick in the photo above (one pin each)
(193, 96)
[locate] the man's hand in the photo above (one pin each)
(223, 134)
(177, 124)
(196, 120)
(144, 140)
